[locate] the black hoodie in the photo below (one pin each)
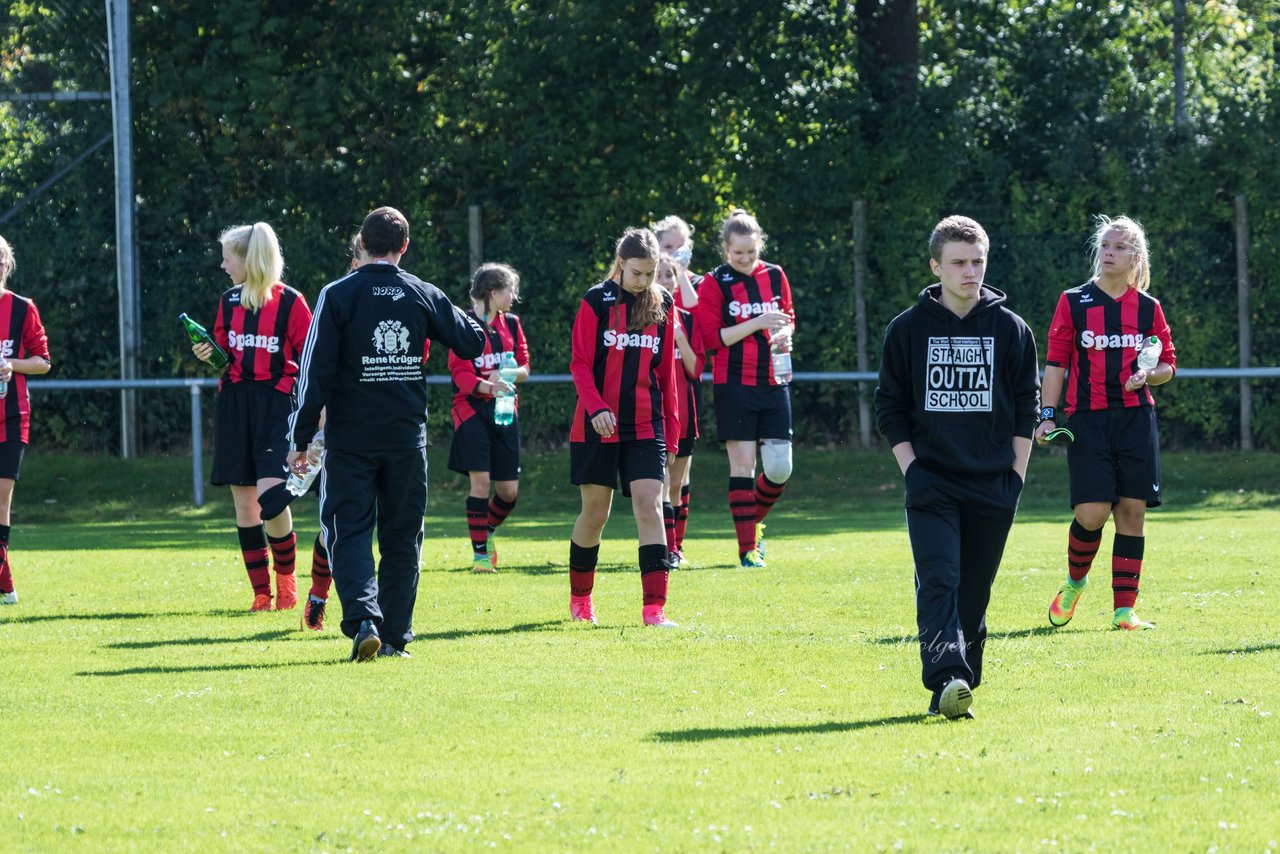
(959, 389)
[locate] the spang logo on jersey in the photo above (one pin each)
(6, 348)
(242, 342)
(391, 337)
(1091, 340)
(751, 309)
(622, 340)
(489, 361)
(958, 374)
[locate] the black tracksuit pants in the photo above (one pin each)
(958, 525)
(361, 489)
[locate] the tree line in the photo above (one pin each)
(567, 121)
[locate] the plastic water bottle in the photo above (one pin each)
(682, 256)
(781, 364)
(4, 384)
(199, 335)
(1149, 353)
(504, 402)
(299, 484)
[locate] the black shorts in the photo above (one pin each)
(11, 458)
(481, 445)
(748, 413)
(684, 448)
(605, 463)
(1116, 454)
(251, 434)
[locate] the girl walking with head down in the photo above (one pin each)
(626, 422)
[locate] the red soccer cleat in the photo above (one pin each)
(261, 602)
(313, 614)
(286, 592)
(580, 609)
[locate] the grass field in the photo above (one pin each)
(143, 708)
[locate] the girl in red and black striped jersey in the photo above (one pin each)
(24, 351)
(485, 451)
(626, 422)
(744, 310)
(262, 324)
(1114, 460)
(675, 238)
(690, 358)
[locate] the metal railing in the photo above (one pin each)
(197, 385)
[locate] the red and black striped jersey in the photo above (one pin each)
(727, 298)
(263, 345)
(503, 335)
(631, 374)
(694, 280)
(22, 336)
(1096, 339)
(689, 383)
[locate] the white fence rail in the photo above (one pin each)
(197, 385)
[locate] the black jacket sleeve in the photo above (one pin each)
(894, 397)
(316, 370)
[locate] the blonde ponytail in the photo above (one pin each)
(263, 263)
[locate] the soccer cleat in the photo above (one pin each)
(261, 602)
(313, 614)
(679, 558)
(753, 560)
(286, 592)
(389, 651)
(580, 609)
(493, 552)
(1129, 621)
(760, 538)
(481, 562)
(1063, 606)
(10, 598)
(954, 700)
(653, 616)
(365, 645)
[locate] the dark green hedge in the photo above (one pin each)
(568, 121)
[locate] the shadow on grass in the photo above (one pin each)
(710, 734)
(126, 615)
(1000, 637)
(606, 568)
(456, 634)
(1241, 650)
(279, 634)
(210, 668)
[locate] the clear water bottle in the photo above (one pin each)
(781, 364)
(504, 401)
(682, 256)
(299, 484)
(1149, 353)
(4, 384)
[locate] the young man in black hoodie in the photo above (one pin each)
(363, 361)
(958, 400)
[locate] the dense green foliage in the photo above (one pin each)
(567, 121)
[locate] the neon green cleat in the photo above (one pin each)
(753, 560)
(482, 563)
(760, 538)
(1129, 621)
(1063, 606)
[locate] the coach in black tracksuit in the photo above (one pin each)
(957, 400)
(363, 360)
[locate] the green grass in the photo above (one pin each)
(142, 708)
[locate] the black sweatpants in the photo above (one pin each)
(361, 489)
(958, 525)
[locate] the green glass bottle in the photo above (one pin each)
(200, 335)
